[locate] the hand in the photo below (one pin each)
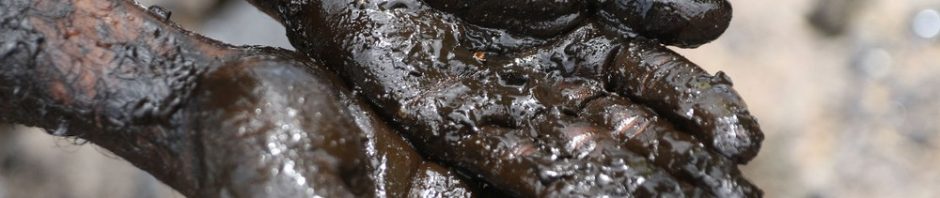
(678, 88)
(457, 89)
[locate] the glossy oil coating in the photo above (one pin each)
(682, 154)
(649, 73)
(683, 23)
(704, 102)
(511, 117)
(278, 153)
(454, 108)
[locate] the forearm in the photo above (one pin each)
(92, 60)
(106, 71)
(109, 72)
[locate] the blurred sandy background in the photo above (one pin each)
(849, 102)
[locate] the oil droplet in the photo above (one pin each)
(926, 23)
(160, 12)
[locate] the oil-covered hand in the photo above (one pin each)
(643, 69)
(533, 104)
(534, 110)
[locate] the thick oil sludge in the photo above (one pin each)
(702, 103)
(500, 101)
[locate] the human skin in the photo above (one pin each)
(450, 89)
(215, 120)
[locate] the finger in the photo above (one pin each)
(495, 155)
(571, 95)
(639, 70)
(575, 122)
(564, 137)
(512, 162)
(540, 18)
(392, 163)
(680, 154)
(560, 154)
(588, 161)
(683, 23)
(679, 89)
(269, 135)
